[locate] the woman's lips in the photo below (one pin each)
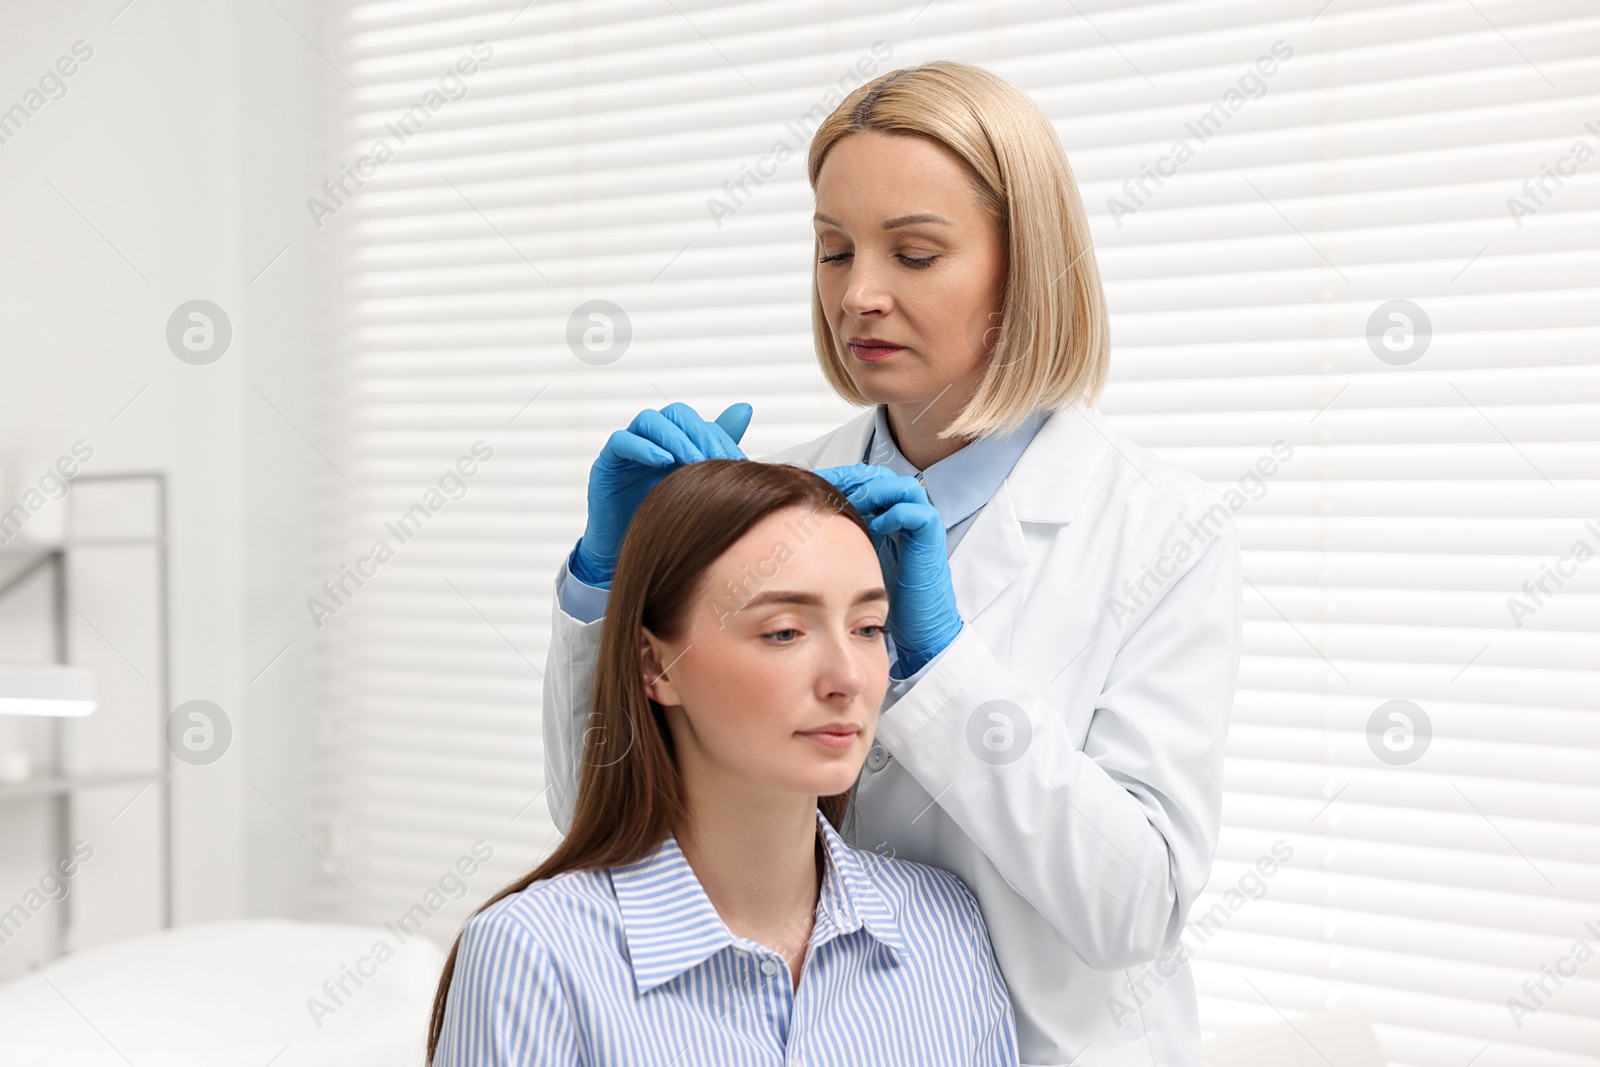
(874, 353)
(833, 740)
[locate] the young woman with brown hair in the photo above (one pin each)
(703, 909)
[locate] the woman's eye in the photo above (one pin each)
(915, 262)
(877, 632)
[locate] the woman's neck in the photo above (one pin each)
(915, 428)
(756, 859)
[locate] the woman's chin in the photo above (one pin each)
(836, 779)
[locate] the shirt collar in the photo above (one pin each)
(964, 481)
(670, 925)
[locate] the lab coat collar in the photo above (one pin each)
(963, 482)
(1047, 484)
(671, 926)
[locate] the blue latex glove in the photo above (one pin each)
(908, 533)
(633, 461)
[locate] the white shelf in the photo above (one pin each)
(53, 786)
(21, 546)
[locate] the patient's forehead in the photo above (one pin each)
(799, 548)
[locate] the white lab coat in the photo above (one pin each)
(1085, 816)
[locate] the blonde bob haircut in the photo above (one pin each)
(1052, 346)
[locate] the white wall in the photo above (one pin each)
(174, 167)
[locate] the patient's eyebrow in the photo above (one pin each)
(795, 596)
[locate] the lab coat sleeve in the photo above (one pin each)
(578, 611)
(898, 686)
(506, 1004)
(578, 598)
(1110, 843)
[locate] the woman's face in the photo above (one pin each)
(907, 256)
(786, 638)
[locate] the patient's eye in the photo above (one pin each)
(877, 631)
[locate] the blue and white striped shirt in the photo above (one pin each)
(632, 967)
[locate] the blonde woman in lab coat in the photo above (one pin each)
(1053, 732)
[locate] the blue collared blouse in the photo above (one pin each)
(632, 966)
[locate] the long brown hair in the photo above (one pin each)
(630, 794)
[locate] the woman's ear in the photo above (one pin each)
(657, 685)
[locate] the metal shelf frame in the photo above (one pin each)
(57, 784)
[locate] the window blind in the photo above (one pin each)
(1351, 255)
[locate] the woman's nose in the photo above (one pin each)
(866, 291)
(846, 667)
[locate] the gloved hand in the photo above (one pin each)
(633, 461)
(908, 533)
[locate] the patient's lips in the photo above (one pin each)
(834, 734)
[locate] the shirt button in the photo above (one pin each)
(877, 757)
(769, 968)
